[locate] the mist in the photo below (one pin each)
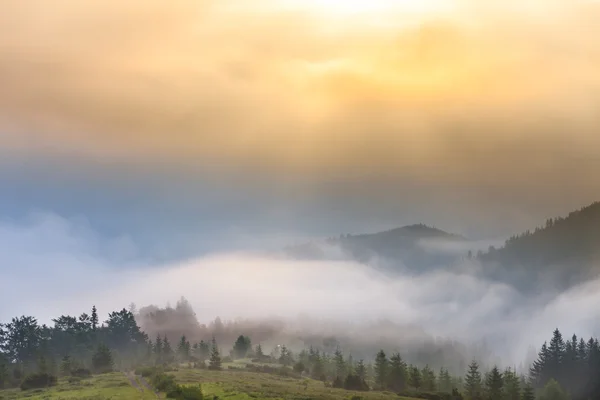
(58, 266)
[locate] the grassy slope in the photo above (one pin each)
(101, 387)
(241, 385)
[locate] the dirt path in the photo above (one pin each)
(147, 386)
(133, 381)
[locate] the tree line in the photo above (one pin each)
(82, 345)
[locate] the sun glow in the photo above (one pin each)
(360, 7)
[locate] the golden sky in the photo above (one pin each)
(440, 91)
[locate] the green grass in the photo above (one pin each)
(100, 387)
(241, 385)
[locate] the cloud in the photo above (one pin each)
(59, 266)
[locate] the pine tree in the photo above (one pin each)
(428, 379)
(415, 380)
(381, 369)
(340, 365)
(215, 357)
(473, 389)
(183, 349)
(512, 387)
(494, 385)
(539, 370)
(259, 352)
(528, 393)
(94, 318)
(397, 373)
(445, 382)
(102, 360)
(361, 370)
(158, 350)
(167, 351)
(285, 357)
(556, 353)
(242, 346)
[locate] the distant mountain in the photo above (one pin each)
(564, 252)
(414, 247)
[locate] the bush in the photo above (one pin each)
(38, 381)
(185, 393)
(354, 382)
(147, 372)
(81, 373)
(163, 382)
(299, 367)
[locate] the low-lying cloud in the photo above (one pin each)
(53, 266)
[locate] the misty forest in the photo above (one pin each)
(152, 345)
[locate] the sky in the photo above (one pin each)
(190, 122)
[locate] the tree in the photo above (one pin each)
(414, 377)
(381, 369)
(539, 370)
(494, 385)
(167, 351)
(183, 349)
(94, 318)
(512, 385)
(396, 379)
(553, 391)
(215, 357)
(340, 364)
(242, 346)
(473, 382)
(21, 339)
(102, 360)
(429, 380)
(445, 382)
(259, 352)
(66, 366)
(361, 370)
(285, 357)
(528, 393)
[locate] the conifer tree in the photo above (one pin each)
(167, 351)
(340, 364)
(259, 352)
(473, 387)
(317, 370)
(539, 369)
(94, 318)
(512, 386)
(183, 349)
(361, 370)
(494, 385)
(381, 369)
(444, 381)
(528, 393)
(215, 357)
(428, 379)
(102, 360)
(397, 373)
(415, 380)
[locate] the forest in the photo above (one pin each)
(34, 356)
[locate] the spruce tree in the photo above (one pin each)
(94, 318)
(361, 370)
(215, 357)
(494, 385)
(259, 352)
(397, 373)
(528, 393)
(512, 387)
(381, 369)
(415, 380)
(340, 364)
(428, 379)
(102, 360)
(539, 371)
(473, 389)
(444, 381)
(183, 349)
(167, 351)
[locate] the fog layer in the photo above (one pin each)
(58, 266)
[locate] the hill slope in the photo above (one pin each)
(565, 250)
(416, 247)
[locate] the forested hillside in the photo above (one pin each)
(564, 251)
(415, 248)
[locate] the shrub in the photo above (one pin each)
(299, 367)
(38, 381)
(355, 382)
(185, 393)
(81, 373)
(163, 382)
